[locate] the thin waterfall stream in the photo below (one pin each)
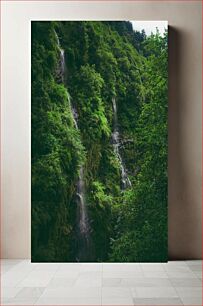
(125, 181)
(83, 231)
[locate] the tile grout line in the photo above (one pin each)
(180, 298)
(46, 286)
(175, 289)
(16, 286)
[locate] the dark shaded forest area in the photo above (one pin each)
(99, 142)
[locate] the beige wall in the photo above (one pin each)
(184, 113)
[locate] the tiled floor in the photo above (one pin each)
(174, 283)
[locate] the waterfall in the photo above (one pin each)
(84, 250)
(125, 181)
(61, 69)
(62, 60)
(84, 228)
(82, 216)
(83, 221)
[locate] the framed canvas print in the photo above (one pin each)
(99, 141)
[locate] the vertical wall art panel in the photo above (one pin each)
(99, 141)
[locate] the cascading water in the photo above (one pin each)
(82, 216)
(84, 252)
(83, 221)
(125, 181)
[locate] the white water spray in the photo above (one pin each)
(125, 181)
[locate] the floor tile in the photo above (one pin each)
(6, 268)
(157, 301)
(135, 267)
(52, 267)
(97, 282)
(117, 301)
(189, 291)
(177, 263)
(198, 274)
(90, 274)
(70, 266)
(21, 301)
(185, 282)
(146, 282)
(111, 282)
(30, 292)
(152, 267)
(196, 268)
(155, 274)
(89, 279)
(37, 279)
(153, 292)
(91, 267)
(61, 282)
(193, 262)
(69, 301)
(15, 275)
(73, 292)
(122, 274)
(66, 273)
(179, 274)
(116, 292)
(9, 292)
(192, 301)
(177, 268)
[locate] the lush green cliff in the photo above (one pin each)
(105, 63)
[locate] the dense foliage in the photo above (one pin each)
(104, 61)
